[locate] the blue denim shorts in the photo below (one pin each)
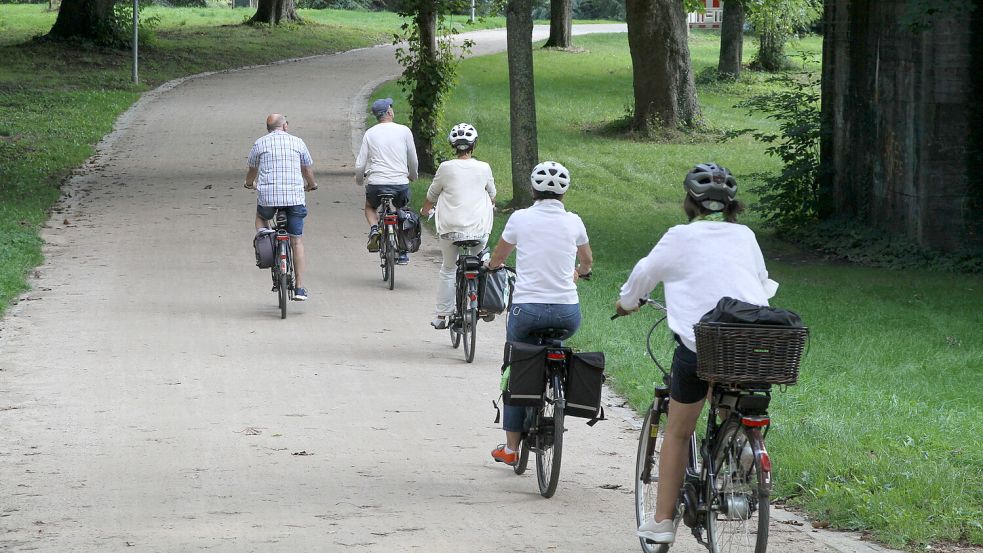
(295, 216)
(401, 191)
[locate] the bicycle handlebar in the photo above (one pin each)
(644, 301)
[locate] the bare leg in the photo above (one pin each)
(370, 214)
(260, 222)
(512, 439)
(672, 460)
(299, 262)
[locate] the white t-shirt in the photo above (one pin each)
(387, 155)
(462, 190)
(546, 237)
(700, 263)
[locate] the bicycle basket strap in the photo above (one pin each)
(584, 382)
(527, 374)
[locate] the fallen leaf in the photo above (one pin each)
(301, 453)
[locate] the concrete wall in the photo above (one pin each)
(899, 108)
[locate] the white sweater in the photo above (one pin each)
(463, 190)
(700, 263)
(387, 155)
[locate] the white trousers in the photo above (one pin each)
(448, 271)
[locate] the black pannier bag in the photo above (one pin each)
(265, 245)
(526, 381)
(408, 230)
(584, 382)
(495, 290)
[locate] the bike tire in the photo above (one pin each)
(282, 293)
(523, 462)
(549, 454)
(646, 489)
(738, 501)
(469, 327)
(391, 259)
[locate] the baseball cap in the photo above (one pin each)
(380, 106)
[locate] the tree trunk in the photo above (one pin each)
(522, 99)
(272, 12)
(89, 19)
(665, 94)
(561, 24)
(771, 51)
(731, 39)
(422, 121)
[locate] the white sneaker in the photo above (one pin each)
(440, 323)
(658, 532)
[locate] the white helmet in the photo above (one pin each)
(463, 136)
(550, 176)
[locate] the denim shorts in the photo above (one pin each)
(523, 319)
(401, 191)
(295, 216)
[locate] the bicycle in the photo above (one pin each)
(544, 436)
(388, 244)
(463, 323)
(283, 268)
(727, 482)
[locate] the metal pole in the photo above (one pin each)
(472, 11)
(136, 25)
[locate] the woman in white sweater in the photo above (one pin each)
(699, 263)
(463, 191)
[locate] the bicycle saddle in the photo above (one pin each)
(554, 334)
(467, 243)
(386, 196)
(280, 219)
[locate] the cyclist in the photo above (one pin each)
(281, 170)
(549, 242)
(464, 192)
(698, 263)
(386, 164)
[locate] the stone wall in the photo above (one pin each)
(899, 115)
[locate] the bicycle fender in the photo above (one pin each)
(761, 454)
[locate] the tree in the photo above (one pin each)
(88, 19)
(665, 94)
(731, 40)
(522, 99)
(272, 12)
(561, 24)
(429, 68)
(776, 21)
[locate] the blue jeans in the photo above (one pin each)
(525, 318)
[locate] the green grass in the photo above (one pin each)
(882, 432)
(57, 101)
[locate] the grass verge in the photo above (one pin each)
(880, 435)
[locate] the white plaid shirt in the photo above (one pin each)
(279, 157)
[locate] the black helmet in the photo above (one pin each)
(711, 186)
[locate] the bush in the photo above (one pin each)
(790, 200)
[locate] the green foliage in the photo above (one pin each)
(427, 75)
(790, 200)
(776, 21)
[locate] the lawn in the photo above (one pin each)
(881, 433)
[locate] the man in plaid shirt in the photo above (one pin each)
(285, 171)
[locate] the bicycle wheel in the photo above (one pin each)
(282, 293)
(382, 260)
(647, 472)
(520, 467)
(550, 440)
(391, 258)
(737, 519)
(469, 324)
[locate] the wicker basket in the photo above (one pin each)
(749, 354)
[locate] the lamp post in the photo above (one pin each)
(472, 11)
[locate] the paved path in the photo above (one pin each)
(152, 400)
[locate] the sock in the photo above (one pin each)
(509, 451)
